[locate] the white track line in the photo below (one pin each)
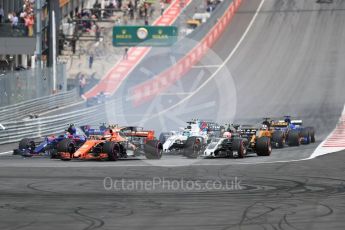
(205, 66)
(6, 153)
(174, 94)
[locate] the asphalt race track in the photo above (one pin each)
(289, 63)
(299, 195)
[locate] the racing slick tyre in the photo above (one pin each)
(192, 147)
(278, 139)
(53, 153)
(305, 134)
(312, 134)
(153, 150)
(294, 138)
(263, 146)
(17, 152)
(238, 145)
(27, 143)
(112, 149)
(66, 146)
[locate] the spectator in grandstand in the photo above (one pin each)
(97, 9)
(113, 4)
(14, 21)
(146, 9)
(24, 17)
(1, 13)
(136, 3)
(74, 44)
(29, 23)
(125, 54)
(98, 32)
(82, 84)
(119, 4)
(90, 61)
(152, 10)
(131, 10)
(162, 7)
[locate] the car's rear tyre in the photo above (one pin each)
(294, 138)
(263, 146)
(153, 150)
(238, 145)
(27, 143)
(312, 134)
(305, 134)
(17, 152)
(66, 146)
(192, 147)
(278, 139)
(53, 153)
(112, 149)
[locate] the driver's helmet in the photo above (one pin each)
(266, 122)
(287, 119)
(186, 133)
(264, 127)
(227, 135)
(108, 132)
(203, 125)
(51, 138)
(68, 135)
(102, 127)
(72, 130)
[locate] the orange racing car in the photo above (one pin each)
(115, 143)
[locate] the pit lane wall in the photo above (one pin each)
(207, 34)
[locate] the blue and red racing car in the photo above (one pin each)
(48, 147)
(290, 132)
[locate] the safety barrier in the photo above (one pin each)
(149, 89)
(34, 128)
(26, 108)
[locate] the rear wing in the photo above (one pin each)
(256, 127)
(149, 135)
(280, 124)
(297, 122)
(95, 137)
(248, 129)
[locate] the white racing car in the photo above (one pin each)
(230, 145)
(192, 139)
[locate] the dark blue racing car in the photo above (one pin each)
(290, 132)
(48, 146)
